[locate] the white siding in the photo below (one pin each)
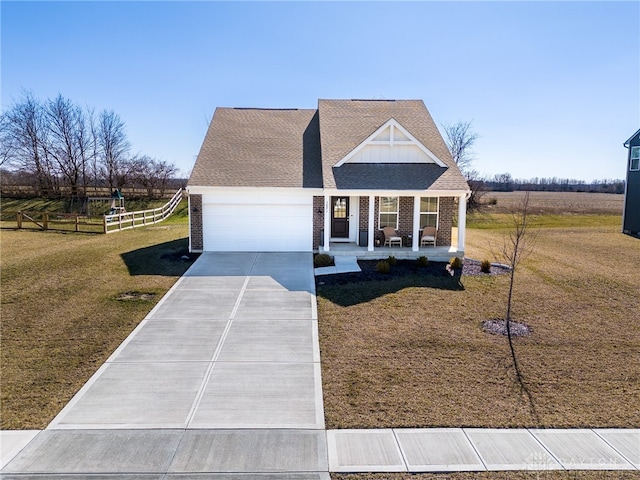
(387, 154)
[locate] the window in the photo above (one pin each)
(634, 163)
(340, 208)
(388, 212)
(429, 212)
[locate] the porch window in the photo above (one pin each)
(634, 164)
(428, 212)
(388, 212)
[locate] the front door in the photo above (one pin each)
(340, 217)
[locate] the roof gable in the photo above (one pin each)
(633, 137)
(391, 143)
(349, 125)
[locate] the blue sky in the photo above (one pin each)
(552, 88)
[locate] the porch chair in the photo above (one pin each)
(391, 237)
(428, 237)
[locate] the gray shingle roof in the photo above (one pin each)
(260, 148)
(299, 148)
(387, 176)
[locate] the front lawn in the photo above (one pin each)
(69, 300)
(410, 351)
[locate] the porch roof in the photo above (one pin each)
(387, 176)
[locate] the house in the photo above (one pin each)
(631, 211)
(326, 179)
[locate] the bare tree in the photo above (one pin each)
(516, 246)
(68, 142)
(460, 140)
(154, 174)
(24, 136)
(6, 143)
(477, 185)
(113, 148)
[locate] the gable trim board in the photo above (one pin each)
(408, 141)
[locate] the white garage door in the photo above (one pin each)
(257, 223)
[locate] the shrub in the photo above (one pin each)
(392, 260)
(323, 260)
(485, 266)
(422, 261)
(383, 266)
(455, 263)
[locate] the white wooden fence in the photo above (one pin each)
(126, 220)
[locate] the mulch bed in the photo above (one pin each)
(403, 268)
(497, 327)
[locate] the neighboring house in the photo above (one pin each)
(631, 212)
(326, 179)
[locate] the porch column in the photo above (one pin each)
(327, 222)
(462, 221)
(370, 224)
(415, 244)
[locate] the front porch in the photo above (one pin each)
(436, 254)
(348, 224)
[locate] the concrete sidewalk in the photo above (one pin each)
(482, 449)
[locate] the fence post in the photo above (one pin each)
(77, 223)
(45, 221)
(104, 223)
(19, 219)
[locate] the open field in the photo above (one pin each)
(559, 202)
(68, 300)
(410, 352)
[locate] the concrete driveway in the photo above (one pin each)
(222, 376)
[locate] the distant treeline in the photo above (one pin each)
(505, 183)
(21, 184)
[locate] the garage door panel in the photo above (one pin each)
(265, 227)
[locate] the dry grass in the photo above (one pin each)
(61, 317)
(541, 475)
(399, 355)
(558, 202)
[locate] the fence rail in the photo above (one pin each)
(93, 223)
(28, 191)
(127, 220)
(67, 222)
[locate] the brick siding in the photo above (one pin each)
(195, 216)
(364, 213)
(318, 220)
(405, 222)
(445, 220)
